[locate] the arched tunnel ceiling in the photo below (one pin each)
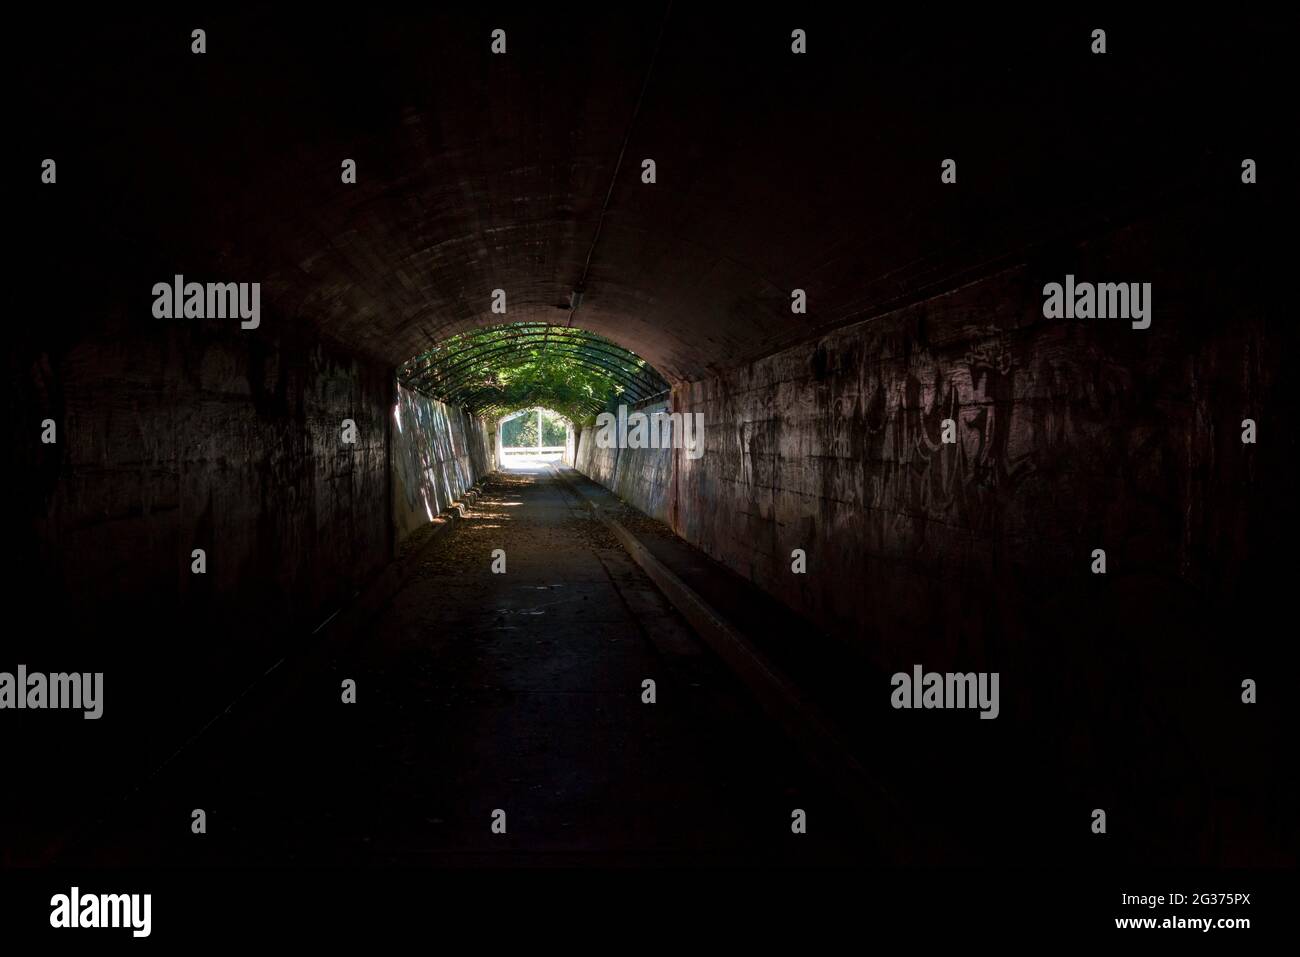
(479, 172)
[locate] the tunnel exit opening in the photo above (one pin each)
(536, 385)
(535, 437)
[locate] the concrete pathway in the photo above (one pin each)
(479, 692)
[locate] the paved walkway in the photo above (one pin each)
(476, 692)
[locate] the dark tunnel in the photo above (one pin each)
(943, 345)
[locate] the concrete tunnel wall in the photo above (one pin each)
(641, 477)
(209, 437)
(1071, 436)
(226, 441)
(438, 452)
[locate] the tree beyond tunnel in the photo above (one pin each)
(522, 431)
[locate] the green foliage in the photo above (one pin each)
(519, 432)
(522, 431)
(501, 369)
(553, 430)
